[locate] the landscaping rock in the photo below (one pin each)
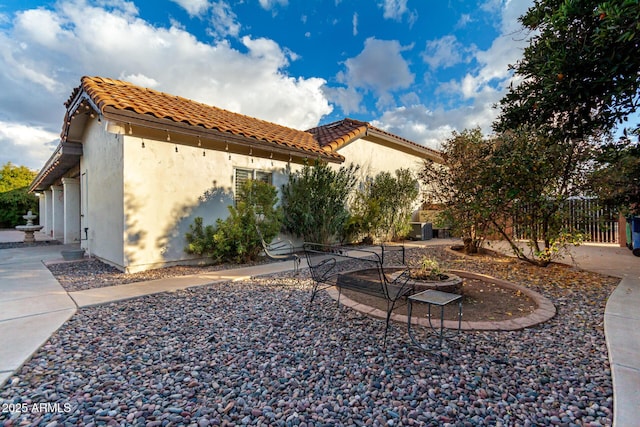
(251, 352)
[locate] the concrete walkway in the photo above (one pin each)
(34, 306)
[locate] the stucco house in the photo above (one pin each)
(135, 166)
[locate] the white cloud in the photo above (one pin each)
(39, 69)
(481, 88)
(492, 75)
(140, 80)
(416, 123)
(432, 127)
(445, 52)
(39, 26)
(396, 9)
(194, 7)
(32, 142)
(354, 22)
(270, 4)
(224, 21)
(464, 20)
(348, 99)
(379, 67)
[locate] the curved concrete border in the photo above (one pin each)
(545, 311)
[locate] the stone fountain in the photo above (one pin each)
(29, 229)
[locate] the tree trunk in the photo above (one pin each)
(469, 246)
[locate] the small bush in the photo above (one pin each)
(236, 239)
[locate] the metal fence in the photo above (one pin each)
(599, 224)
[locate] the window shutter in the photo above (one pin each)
(242, 176)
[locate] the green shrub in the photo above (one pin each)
(364, 222)
(314, 201)
(382, 210)
(236, 239)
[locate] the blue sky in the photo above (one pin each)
(416, 68)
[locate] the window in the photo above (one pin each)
(243, 175)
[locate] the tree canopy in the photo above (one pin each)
(15, 200)
(516, 181)
(459, 186)
(616, 178)
(580, 73)
(13, 177)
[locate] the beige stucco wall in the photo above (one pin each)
(374, 157)
(165, 190)
(140, 195)
(101, 194)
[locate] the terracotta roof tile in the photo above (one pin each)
(120, 95)
(334, 135)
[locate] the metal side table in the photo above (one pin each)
(438, 298)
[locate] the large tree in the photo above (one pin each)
(459, 186)
(15, 200)
(530, 179)
(517, 181)
(580, 73)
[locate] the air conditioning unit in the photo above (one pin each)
(421, 231)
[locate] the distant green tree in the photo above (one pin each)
(529, 180)
(13, 177)
(15, 199)
(314, 201)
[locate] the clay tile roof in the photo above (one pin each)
(334, 135)
(125, 96)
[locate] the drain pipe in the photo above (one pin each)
(86, 239)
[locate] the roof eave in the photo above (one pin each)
(232, 140)
(419, 150)
(66, 156)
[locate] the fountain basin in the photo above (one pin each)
(29, 231)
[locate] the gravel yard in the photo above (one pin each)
(247, 353)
